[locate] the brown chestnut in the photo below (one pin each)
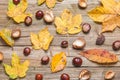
(49, 17)
(45, 60)
(16, 2)
(27, 51)
(28, 21)
(116, 45)
(77, 61)
(64, 76)
(86, 27)
(39, 14)
(84, 74)
(100, 39)
(16, 33)
(39, 77)
(79, 43)
(109, 75)
(82, 4)
(64, 44)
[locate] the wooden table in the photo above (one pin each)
(35, 56)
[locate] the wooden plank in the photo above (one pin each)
(97, 73)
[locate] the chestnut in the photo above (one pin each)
(39, 14)
(84, 74)
(16, 33)
(45, 60)
(86, 27)
(64, 76)
(100, 39)
(64, 44)
(49, 17)
(77, 61)
(27, 51)
(79, 43)
(116, 45)
(109, 75)
(16, 2)
(82, 4)
(28, 21)
(39, 77)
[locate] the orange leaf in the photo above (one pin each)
(58, 62)
(50, 3)
(100, 56)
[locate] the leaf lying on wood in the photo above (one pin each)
(49, 3)
(100, 56)
(66, 23)
(58, 62)
(16, 69)
(6, 36)
(17, 12)
(108, 14)
(41, 40)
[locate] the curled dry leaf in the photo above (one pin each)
(79, 43)
(66, 23)
(16, 69)
(107, 14)
(100, 56)
(109, 75)
(5, 34)
(41, 40)
(58, 62)
(84, 74)
(17, 12)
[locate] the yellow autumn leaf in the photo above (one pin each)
(17, 12)
(35, 41)
(41, 40)
(107, 14)
(66, 16)
(40, 2)
(58, 62)
(5, 34)
(16, 69)
(49, 3)
(67, 23)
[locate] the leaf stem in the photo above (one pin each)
(8, 23)
(51, 54)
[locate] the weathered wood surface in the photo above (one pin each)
(35, 67)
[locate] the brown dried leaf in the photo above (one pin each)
(100, 56)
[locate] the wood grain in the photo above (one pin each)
(97, 70)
